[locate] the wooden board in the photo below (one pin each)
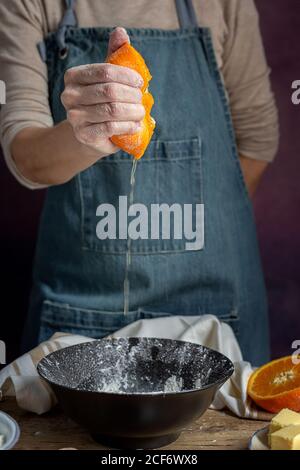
(215, 430)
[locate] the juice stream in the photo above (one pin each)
(128, 252)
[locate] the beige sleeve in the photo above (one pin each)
(247, 80)
(24, 74)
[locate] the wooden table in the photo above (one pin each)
(214, 430)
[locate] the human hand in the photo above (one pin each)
(103, 99)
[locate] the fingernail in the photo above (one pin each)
(120, 28)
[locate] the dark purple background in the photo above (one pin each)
(277, 203)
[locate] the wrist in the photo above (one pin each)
(83, 150)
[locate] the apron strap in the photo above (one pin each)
(69, 19)
(186, 14)
(185, 11)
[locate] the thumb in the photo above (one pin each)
(117, 38)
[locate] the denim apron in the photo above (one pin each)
(192, 159)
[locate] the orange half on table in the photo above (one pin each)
(135, 144)
(276, 385)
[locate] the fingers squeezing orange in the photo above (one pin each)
(135, 144)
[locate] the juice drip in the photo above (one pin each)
(128, 252)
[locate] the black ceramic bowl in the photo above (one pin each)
(136, 393)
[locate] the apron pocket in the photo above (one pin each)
(233, 320)
(64, 318)
(166, 211)
(59, 317)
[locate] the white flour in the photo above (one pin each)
(135, 366)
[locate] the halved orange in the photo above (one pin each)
(276, 385)
(128, 56)
(135, 144)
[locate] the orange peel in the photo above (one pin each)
(137, 143)
(276, 385)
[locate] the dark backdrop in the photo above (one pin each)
(277, 203)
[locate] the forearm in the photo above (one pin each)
(51, 156)
(252, 171)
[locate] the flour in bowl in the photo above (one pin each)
(134, 366)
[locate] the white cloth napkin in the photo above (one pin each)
(20, 378)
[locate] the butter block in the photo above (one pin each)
(283, 419)
(287, 438)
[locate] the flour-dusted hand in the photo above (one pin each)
(103, 99)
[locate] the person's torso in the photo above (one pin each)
(182, 167)
(80, 276)
(161, 14)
